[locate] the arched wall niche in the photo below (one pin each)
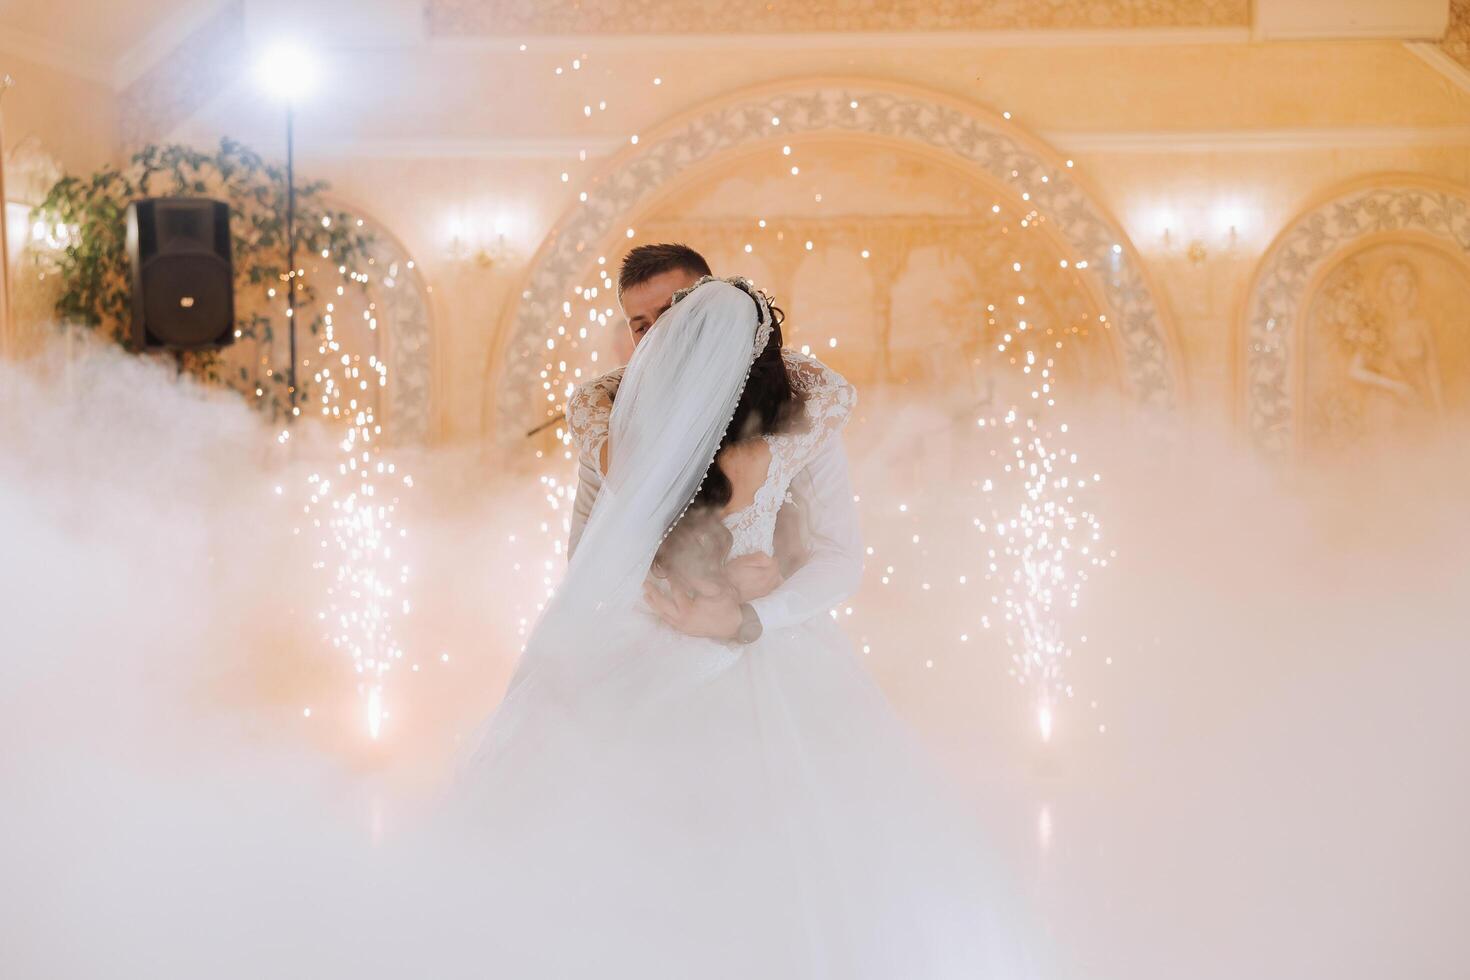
(1346, 337)
(913, 286)
(401, 307)
(1029, 177)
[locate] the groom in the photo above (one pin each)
(818, 560)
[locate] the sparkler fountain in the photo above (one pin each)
(354, 514)
(1044, 542)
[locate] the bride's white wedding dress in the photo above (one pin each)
(643, 804)
(658, 805)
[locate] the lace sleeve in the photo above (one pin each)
(588, 410)
(812, 462)
(829, 403)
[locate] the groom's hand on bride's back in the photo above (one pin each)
(705, 609)
(754, 576)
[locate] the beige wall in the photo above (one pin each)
(54, 121)
(1178, 137)
(72, 117)
(1207, 297)
(462, 154)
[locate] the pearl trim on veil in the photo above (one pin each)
(763, 328)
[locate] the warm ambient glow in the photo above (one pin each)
(288, 71)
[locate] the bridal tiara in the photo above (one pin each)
(762, 303)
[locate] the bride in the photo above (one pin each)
(743, 804)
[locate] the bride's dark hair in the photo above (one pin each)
(698, 544)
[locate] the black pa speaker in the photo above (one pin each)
(183, 279)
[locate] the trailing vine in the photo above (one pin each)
(86, 222)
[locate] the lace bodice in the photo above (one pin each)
(754, 527)
(829, 400)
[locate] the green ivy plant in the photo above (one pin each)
(90, 214)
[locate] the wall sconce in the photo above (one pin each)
(1229, 219)
(1199, 229)
(53, 237)
(481, 239)
(1167, 222)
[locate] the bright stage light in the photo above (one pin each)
(287, 71)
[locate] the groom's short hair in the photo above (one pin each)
(646, 261)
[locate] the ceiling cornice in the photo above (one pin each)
(52, 54)
(1094, 38)
(161, 41)
(127, 67)
(524, 20)
(1101, 141)
(1441, 62)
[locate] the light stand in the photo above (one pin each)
(288, 73)
(291, 256)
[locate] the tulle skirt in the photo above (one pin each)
(664, 806)
(646, 806)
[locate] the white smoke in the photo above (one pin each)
(1278, 791)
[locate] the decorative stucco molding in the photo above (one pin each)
(1308, 246)
(974, 137)
(560, 17)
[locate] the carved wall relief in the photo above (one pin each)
(1388, 336)
(1348, 329)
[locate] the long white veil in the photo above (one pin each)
(675, 401)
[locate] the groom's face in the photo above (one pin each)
(644, 303)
